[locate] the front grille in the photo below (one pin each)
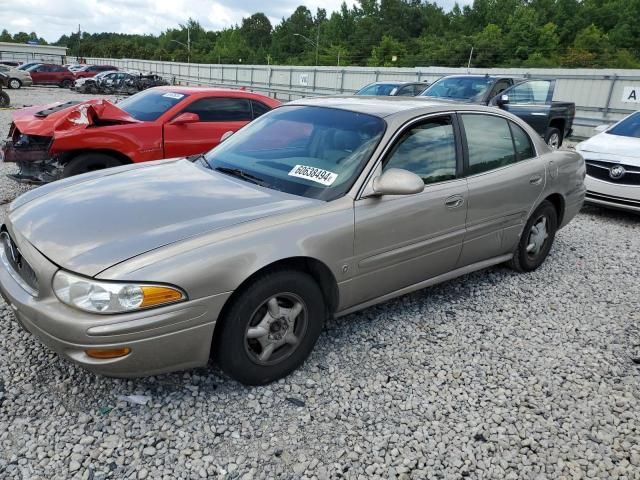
(18, 267)
(612, 199)
(601, 170)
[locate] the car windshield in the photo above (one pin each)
(147, 106)
(629, 127)
(379, 89)
(314, 152)
(459, 88)
(32, 67)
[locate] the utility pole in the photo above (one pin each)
(469, 62)
(79, 35)
(188, 45)
(317, 44)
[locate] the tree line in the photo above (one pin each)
(402, 33)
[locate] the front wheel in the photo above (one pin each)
(536, 239)
(66, 83)
(553, 138)
(15, 84)
(89, 162)
(270, 328)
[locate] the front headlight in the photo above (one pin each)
(111, 297)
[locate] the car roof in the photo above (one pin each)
(203, 91)
(384, 106)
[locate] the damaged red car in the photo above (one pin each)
(62, 140)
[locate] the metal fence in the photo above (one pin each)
(601, 96)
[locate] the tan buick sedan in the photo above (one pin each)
(321, 207)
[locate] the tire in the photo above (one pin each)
(239, 346)
(526, 259)
(66, 83)
(4, 99)
(553, 138)
(89, 162)
(14, 83)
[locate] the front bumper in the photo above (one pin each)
(165, 339)
(36, 165)
(612, 195)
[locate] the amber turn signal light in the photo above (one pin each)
(152, 296)
(106, 353)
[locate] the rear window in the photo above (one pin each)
(149, 105)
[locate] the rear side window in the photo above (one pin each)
(221, 109)
(522, 142)
(489, 142)
(259, 108)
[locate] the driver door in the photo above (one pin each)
(531, 101)
(404, 240)
(218, 115)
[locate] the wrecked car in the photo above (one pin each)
(66, 139)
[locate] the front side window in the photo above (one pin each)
(428, 150)
(489, 142)
(532, 92)
(221, 109)
(310, 151)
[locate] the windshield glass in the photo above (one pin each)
(629, 127)
(379, 89)
(314, 152)
(459, 88)
(147, 106)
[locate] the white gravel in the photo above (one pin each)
(495, 375)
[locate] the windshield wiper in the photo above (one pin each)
(236, 172)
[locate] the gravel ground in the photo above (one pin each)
(494, 375)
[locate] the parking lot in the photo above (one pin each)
(493, 375)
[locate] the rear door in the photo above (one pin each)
(505, 179)
(406, 239)
(531, 101)
(218, 115)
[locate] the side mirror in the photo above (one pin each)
(502, 100)
(185, 118)
(397, 181)
(602, 128)
(226, 135)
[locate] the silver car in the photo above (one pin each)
(321, 207)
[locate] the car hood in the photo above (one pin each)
(60, 118)
(88, 225)
(613, 148)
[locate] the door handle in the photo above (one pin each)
(535, 180)
(454, 202)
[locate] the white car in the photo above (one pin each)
(613, 165)
(79, 83)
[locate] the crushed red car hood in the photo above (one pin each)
(50, 119)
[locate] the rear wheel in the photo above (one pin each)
(14, 83)
(270, 328)
(537, 239)
(553, 138)
(89, 162)
(66, 83)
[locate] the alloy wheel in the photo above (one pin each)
(276, 329)
(538, 236)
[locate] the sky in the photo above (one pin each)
(52, 18)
